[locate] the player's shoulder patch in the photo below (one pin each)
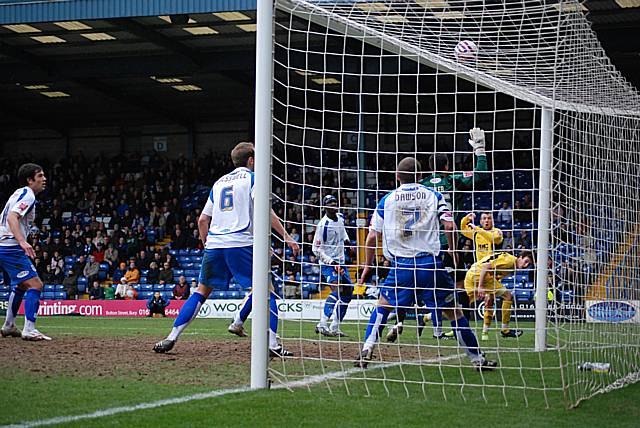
(435, 180)
(467, 174)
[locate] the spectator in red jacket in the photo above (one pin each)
(181, 289)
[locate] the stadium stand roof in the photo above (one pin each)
(82, 63)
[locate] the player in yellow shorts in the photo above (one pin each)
(483, 282)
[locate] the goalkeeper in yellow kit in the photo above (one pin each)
(483, 281)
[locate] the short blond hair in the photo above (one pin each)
(241, 153)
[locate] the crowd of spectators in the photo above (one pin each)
(127, 212)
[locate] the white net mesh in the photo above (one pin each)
(359, 86)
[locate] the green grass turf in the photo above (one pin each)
(322, 404)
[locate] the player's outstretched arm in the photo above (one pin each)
(13, 220)
(276, 225)
(477, 142)
(466, 225)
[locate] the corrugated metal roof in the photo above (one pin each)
(22, 11)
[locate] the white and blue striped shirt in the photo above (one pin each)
(230, 206)
(408, 219)
(22, 202)
(328, 242)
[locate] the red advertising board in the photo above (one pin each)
(102, 308)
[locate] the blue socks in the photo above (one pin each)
(245, 310)
(330, 303)
(273, 313)
(374, 329)
(466, 338)
(187, 314)
(31, 304)
(15, 300)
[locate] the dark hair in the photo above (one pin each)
(438, 162)
(28, 171)
(409, 170)
(487, 213)
(529, 254)
(241, 153)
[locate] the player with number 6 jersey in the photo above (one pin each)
(226, 229)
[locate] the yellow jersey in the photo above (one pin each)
(484, 240)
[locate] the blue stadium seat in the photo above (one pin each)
(82, 280)
(102, 275)
(173, 252)
(69, 260)
(234, 286)
(311, 288)
(195, 251)
(49, 288)
(523, 296)
(146, 287)
(143, 280)
(187, 265)
(234, 295)
(183, 252)
(313, 278)
(4, 295)
(191, 273)
(168, 295)
(218, 295)
(169, 287)
(48, 295)
(305, 294)
(158, 287)
(136, 287)
(5, 289)
(59, 287)
(60, 295)
(144, 272)
(82, 288)
(145, 295)
(178, 272)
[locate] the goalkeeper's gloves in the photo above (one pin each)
(477, 141)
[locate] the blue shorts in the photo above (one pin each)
(219, 265)
(330, 275)
(16, 265)
(421, 279)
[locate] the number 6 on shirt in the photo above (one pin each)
(226, 199)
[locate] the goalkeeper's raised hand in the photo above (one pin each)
(477, 141)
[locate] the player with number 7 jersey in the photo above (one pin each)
(408, 220)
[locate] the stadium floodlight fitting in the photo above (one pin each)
(565, 6)
(249, 28)
(55, 94)
(373, 7)
(173, 19)
(36, 87)
(166, 79)
(22, 28)
(98, 37)
(73, 25)
(186, 88)
(200, 31)
(48, 39)
(326, 81)
(232, 16)
(628, 3)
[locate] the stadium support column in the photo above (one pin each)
(262, 203)
(544, 228)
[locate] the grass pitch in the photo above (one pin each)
(97, 364)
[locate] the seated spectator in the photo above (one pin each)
(121, 289)
(181, 289)
(91, 269)
(166, 274)
(143, 260)
(524, 242)
(132, 275)
(505, 214)
(194, 286)
(291, 288)
(154, 273)
(70, 284)
(88, 247)
(157, 304)
(78, 266)
(96, 292)
(111, 257)
(98, 254)
(109, 292)
(131, 293)
(507, 242)
(118, 273)
(180, 241)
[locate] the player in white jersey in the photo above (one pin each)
(328, 246)
(15, 253)
(408, 220)
(226, 229)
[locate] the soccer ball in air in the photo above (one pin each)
(466, 50)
